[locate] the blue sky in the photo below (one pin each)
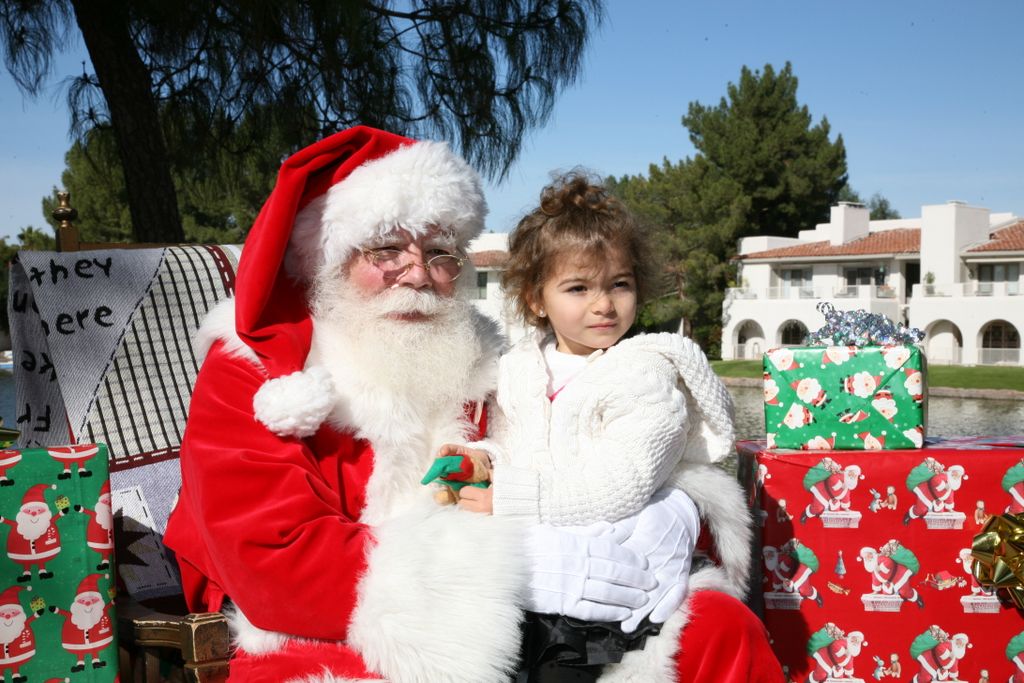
(928, 96)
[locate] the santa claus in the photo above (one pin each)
(966, 560)
(9, 457)
(892, 568)
(88, 629)
(829, 484)
(328, 385)
(74, 456)
(934, 487)
(938, 655)
(99, 534)
(16, 638)
(833, 652)
(34, 539)
(791, 568)
(861, 384)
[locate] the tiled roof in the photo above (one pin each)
(489, 259)
(1010, 238)
(898, 241)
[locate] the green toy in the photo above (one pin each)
(456, 471)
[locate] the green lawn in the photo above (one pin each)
(979, 377)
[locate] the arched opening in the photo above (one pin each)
(1000, 344)
(943, 343)
(749, 340)
(792, 333)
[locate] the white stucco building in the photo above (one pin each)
(955, 272)
(488, 253)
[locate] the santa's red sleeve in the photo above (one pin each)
(257, 520)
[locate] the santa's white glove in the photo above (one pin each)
(665, 533)
(583, 572)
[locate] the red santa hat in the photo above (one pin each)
(331, 197)
(105, 489)
(90, 584)
(35, 494)
(10, 595)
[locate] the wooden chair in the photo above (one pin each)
(167, 645)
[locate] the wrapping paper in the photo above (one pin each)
(56, 571)
(845, 397)
(864, 565)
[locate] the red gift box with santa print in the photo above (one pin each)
(845, 397)
(56, 587)
(863, 571)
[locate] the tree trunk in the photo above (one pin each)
(125, 81)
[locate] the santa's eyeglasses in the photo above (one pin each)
(393, 263)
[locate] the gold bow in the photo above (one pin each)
(998, 553)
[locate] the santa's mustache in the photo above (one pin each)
(405, 301)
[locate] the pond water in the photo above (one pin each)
(946, 416)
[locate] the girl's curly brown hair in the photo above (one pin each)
(576, 216)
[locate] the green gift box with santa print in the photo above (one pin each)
(845, 397)
(56, 568)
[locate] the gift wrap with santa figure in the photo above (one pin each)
(865, 560)
(56, 588)
(845, 397)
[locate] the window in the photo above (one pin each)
(796, 280)
(859, 276)
(481, 284)
(864, 275)
(991, 273)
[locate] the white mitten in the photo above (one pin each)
(665, 533)
(584, 573)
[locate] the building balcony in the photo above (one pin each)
(863, 292)
(967, 289)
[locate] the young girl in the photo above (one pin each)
(587, 424)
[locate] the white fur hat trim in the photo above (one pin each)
(295, 404)
(416, 187)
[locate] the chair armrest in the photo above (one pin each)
(201, 638)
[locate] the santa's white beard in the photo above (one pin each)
(85, 617)
(104, 517)
(427, 361)
(31, 528)
(10, 631)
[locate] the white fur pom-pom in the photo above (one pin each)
(296, 404)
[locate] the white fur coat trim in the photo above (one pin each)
(440, 601)
(723, 507)
(219, 325)
(416, 188)
(656, 663)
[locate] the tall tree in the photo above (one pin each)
(879, 207)
(478, 72)
(762, 167)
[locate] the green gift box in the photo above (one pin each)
(845, 397)
(56, 574)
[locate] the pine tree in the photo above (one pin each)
(762, 167)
